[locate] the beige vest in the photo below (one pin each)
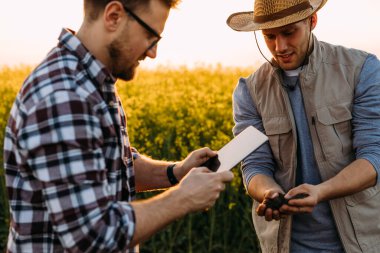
(327, 84)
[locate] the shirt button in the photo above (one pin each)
(111, 103)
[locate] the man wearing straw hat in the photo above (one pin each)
(319, 104)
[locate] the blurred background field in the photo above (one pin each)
(170, 113)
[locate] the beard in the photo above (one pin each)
(122, 68)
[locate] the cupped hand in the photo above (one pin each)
(304, 204)
(263, 209)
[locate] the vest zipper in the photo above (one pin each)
(319, 140)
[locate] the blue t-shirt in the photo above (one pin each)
(307, 172)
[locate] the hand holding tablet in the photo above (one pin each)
(236, 150)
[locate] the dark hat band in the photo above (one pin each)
(282, 14)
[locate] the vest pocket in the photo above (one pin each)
(334, 130)
(279, 132)
(363, 208)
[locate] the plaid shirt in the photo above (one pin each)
(68, 162)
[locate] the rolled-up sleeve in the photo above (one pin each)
(366, 114)
(245, 114)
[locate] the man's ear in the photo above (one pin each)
(113, 15)
(313, 21)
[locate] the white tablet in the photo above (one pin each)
(236, 150)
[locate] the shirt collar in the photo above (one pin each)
(95, 69)
(293, 72)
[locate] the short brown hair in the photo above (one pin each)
(92, 8)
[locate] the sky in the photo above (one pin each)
(195, 34)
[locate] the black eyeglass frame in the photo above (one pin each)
(145, 25)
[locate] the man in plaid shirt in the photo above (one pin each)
(71, 174)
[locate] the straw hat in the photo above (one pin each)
(273, 13)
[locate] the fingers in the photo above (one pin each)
(276, 215)
(271, 214)
(300, 192)
(296, 192)
(275, 205)
(301, 199)
(295, 209)
(201, 170)
(213, 196)
(196, 158)
(301, 202)
(202, 188)
(208, 151)
(304, 195)
(226, 176)
(205, 153)
(271, 194)
(269, 206)
(260, 210)
(268, 214)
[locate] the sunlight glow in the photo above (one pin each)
(196, 33)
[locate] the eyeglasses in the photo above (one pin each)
(146, 26)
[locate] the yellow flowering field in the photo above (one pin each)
(171, 112)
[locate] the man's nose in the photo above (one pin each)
(281, 45)
(152, 52)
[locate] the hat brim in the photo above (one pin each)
(244, 21)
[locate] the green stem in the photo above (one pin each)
(189, 233)
(212, 229)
